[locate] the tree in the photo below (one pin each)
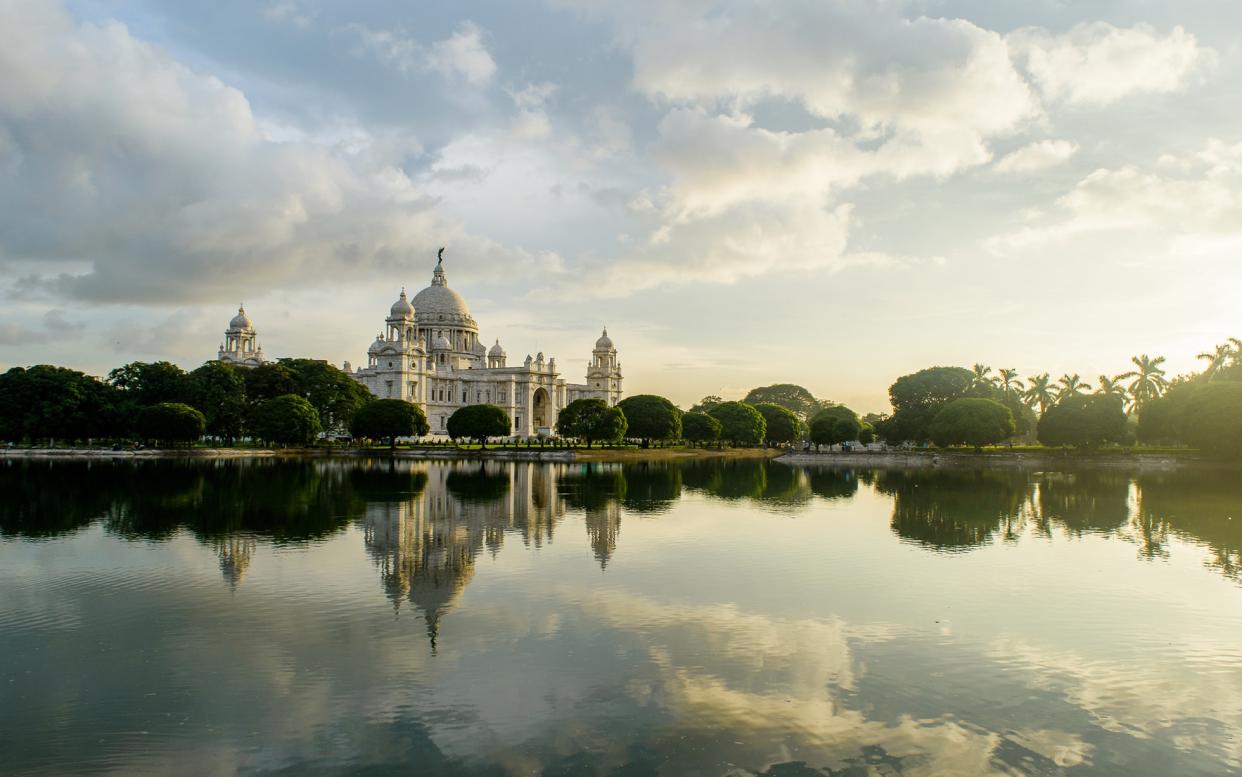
(287, 419)
(651, 418)
(866, 433)
(1218, 359)
(973, 421)
(388, 419)
(835, 425)
(982, 377)
(700, 427)
(1071, 385)
(268, 381)
(1009, 383)
(219, 392)
(1040, 393)
(45, 402)
(170, 423)
(916, 399)
(150, 383)
(1212, 420)
(740, 423)
(781, 425)
(794, 398)
(478, 422)
(1085, 421)
(1149, 381)
(591, 420)
(706, 404)
(333, 394)
(1113, 385)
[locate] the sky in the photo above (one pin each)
(831, 193)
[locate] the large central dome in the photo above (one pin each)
(439, 300)
(438, 303)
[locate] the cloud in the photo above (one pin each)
(837, 58)
(289, 12)
(1202, 203)
(1098, 63)
(464, 54)
(159, 180)
(1037, 156)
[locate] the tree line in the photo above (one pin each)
(289, 402)
(950, 406)
(294, 401)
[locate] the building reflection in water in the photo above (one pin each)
(235, 552)
(425, 523)
(425, 545)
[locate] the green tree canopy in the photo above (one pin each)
(478, 422)
(973, 421)
(45, 402)
(268, 381)
(1085, 421)
(150, 383)
(740, 423)
(288, 420)
(834, 425)
(706, 404)
(651, 417)
(781, 425)
(591, 420)
(171, 423)
(866, 433)
(219, 392)
(700, 427)
(794, 398)
(917, 397)
(1212, 419)
(388, 419)
(333, 394)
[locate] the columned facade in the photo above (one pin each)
(430, 353)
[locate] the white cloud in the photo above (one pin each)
(837, 59)
(464, 54)
(161, 181)
(1098, 63)
(289, 12)
(1037, 156)
(1195, 201)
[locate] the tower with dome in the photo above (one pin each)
(241, 343)
(430, 353)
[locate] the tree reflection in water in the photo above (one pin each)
(425, 523)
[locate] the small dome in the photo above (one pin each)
(402, 307)
(496, 350)
(241, 320)
(441, 343)
(604, 343)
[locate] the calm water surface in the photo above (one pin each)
(372, 617)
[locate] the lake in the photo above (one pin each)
(372, 616)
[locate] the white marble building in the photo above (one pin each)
(241, 343)
(430, 353)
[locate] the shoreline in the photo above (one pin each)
(1032, 460)
(602, 455)
(1038, 460)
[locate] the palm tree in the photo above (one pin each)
(1070, 385)
(1040, 392)
(1009, 382)
(1112, 385)
(1218, 359)
(1149, 381)
(983, 376)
